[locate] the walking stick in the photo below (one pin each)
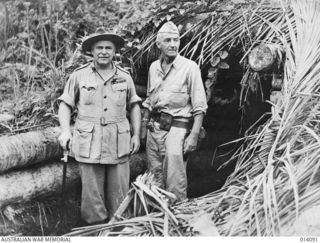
(64, 159)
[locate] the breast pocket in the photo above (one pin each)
(178, 97)
(88, 93)
(119, 91)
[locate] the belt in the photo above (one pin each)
(98, 120)
(181, 122)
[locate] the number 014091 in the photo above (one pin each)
(309, 239)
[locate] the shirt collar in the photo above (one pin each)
(175, 64)
(114, 67)
(177, 61)
(92, 67)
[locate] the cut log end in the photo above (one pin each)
(261, 58)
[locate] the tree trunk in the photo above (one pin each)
(29, 148)
(46, 180)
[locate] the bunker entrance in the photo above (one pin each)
(236, 107)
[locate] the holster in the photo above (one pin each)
(165, 121)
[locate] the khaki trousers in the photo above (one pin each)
(165, 159)
(103, 189)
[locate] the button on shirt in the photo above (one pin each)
(179, 92)
(95, 97)
(101, 119)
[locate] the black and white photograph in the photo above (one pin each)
(159, 118)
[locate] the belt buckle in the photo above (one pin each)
(102, 121)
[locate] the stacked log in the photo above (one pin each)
(276, 95)
(24, 185)
(261, 58)
(29, 148)
(30, 167)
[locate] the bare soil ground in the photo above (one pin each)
(43, 217)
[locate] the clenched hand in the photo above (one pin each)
(64, 140)
(190, 143)
(134, 144)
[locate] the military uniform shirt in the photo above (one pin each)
(179, 92)
(102, 131)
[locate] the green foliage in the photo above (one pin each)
(54, 27)
(40, 43)
(43, 36)
(39, 47)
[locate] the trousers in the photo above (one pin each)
(165, 159)
(103, 189)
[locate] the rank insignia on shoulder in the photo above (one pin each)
(82, 66)
(123, 69)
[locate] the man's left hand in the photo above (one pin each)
(134, 144)
(190, 143)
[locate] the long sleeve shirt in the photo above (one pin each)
(179, 92)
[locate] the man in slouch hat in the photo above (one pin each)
(175, 107)
(101, 142)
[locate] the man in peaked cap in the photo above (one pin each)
(101, 91)
(175, 107)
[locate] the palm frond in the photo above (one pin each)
(277, 172)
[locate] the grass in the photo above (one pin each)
(42, 217)
(36, 76)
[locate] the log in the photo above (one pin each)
(276, 97)
(261, 58)
(276, 83)
(46, 180)
(22, 186)
(29, 148)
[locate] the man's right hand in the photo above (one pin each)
(143, 133)
(64, 140)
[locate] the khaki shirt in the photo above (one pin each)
(102, 131)
(179, 92)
